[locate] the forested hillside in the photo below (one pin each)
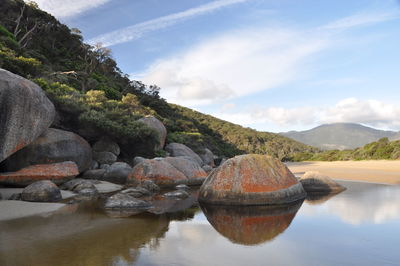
(94, 98)
(382, 149)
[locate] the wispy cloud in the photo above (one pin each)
(68, 8)
(362, 19)
(138, 30)
(234, 64)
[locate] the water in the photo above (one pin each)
(360, 226)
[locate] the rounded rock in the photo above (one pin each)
(251, 180)
(316, 182)
(41, 191)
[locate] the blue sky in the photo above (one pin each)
(267, 64)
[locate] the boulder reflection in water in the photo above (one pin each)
(250, 225)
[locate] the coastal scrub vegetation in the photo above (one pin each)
(93, 97)
(382, 149)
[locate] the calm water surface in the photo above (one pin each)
(360, 226)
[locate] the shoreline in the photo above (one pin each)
(385, 172)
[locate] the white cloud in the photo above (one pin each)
(371, 112)
(351, 110)
(138, 30)
(232, 65)
(362, 19)
(68, 8)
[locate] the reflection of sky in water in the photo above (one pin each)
(358, 227)
(361, 203)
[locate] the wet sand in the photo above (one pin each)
(385, 172)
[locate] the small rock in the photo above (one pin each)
(41, 191)
(125, 201)
(95, 165)
(94, 174)
(208, 157)
(150, 186)
(182, 187)
(207, 168)
(137, 160)
(104, 157)
(315, 182)
(136, 192)
(107, 145)
(180, 194)
(81, 186)
(15, 196)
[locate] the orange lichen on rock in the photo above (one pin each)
(159, 171)
(57, 172)
(251, 180)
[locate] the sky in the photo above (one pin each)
(272, 65)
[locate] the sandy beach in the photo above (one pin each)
(385, 172)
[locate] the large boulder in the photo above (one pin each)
(315, 182)
(53, 146)
(56, 172)
(178, 149)
(251, 180)
(159, 171)
(208, 157)
(25, 113)
(193, 172)
(158, 126)
(41, 191)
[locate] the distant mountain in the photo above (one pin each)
(340, 136)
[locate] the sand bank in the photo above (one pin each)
(386, 172)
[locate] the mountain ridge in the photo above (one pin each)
(340, 136)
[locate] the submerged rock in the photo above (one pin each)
(81, 186)
(180, 194)
(137, 192)
(25, 113)
(178, 149)
(182, 187)
(53, 146)
(251, 180)
(56, 172)
(315, 182)
(41, 191)
(125, 201)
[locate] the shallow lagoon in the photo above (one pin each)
(360, 226)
